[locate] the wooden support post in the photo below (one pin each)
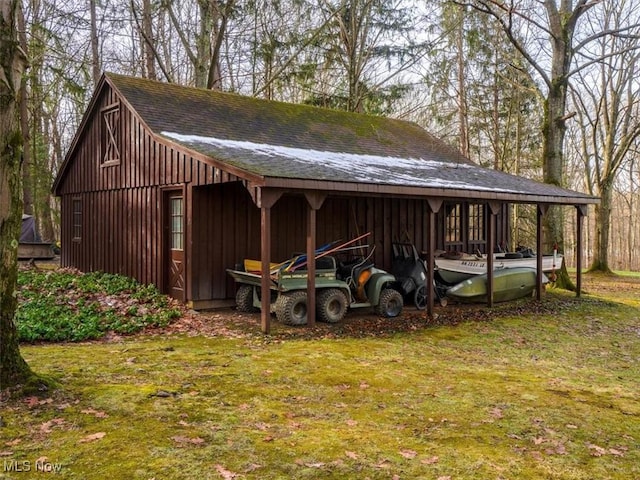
(265, 256)
(541, 211)
(494, 208)
(582, 212)
(434, 207)
(315, 201)
(265, 199)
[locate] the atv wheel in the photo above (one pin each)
(420, 297)
(331, 305)
(244, 299)
(390, 304)
(291, 308)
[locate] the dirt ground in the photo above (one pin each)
(227, 322)
(363, 323)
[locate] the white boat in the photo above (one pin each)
(456, 270)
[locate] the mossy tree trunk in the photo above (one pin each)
(13, 369)
(603, 229)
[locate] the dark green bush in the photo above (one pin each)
(66, 305)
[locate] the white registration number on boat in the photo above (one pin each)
(472, 264)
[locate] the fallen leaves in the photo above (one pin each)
(32, 402)
(597, 451)
(95, 413)
(183, 440)
(224, 473)
(55, 422)
(496, 413)
(408, 453)
(93, 437)
(356, 422)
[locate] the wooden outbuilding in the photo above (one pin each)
(172, 185)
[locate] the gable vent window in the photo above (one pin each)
(110, 135)
(77, 220)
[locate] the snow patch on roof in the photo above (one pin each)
(342, 166)
(336, 159)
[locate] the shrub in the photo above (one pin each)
(67, 305)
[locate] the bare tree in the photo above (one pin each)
(547, 38)
(482, 93)
(209, 39)
(27, 190)
(96, 65)
(13, 369)
(361, 39)
(607, 100)
(147, 28)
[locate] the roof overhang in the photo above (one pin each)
(362, 189)
(303, 169)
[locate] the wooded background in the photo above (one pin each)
(537, 88)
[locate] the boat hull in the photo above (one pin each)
(508, 284)
(453, 271)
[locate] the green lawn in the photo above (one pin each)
(515, 395)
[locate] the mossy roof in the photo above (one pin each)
(282, 142)
(207, 113)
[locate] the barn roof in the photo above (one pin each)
(283, 145)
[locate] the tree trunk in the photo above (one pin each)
(13, 369)
(47, 229)
(203, 45)
(553, 133)
(603, 230)
(147, 26)
(27, 196)
(95, 47)
(463, 115)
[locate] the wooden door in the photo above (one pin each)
(175, 240)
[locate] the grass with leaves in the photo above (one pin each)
(516, 396)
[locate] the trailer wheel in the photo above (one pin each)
(244, 299)
(291, 308)
(420, 297)
(331, 305)
(390, 304)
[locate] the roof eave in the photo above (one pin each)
(426, 192)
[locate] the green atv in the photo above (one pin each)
(339, 287)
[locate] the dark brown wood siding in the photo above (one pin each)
(226, 230)
(122, 202)
(120, 233)
(143, 161)
(121, 206)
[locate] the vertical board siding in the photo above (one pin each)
(224, 217)
(121, 204)
(122, 213)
